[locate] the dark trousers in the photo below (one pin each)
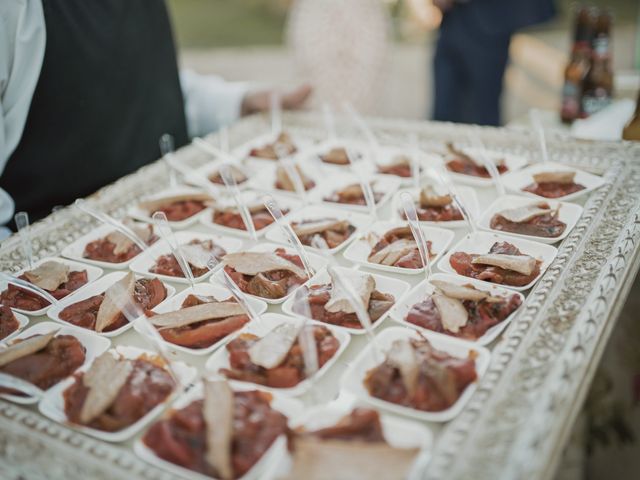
(469, 66)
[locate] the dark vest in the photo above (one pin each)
(108, 89)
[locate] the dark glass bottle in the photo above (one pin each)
(578, 67)
(598, 84)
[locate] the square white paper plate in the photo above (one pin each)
(93, 274)
(143, 263)
(420, 292)
(387, 153)
(97, 288)
(284, 202)
(23, 321)
(314, 152)
(516, 181)
(140, 214)
(93, 344)
(75, 250)
(384, 284)
(360, 248)
(513, 162)
(208, 289)
(353, 378)
(220, 358)
(481, 242)
(265, 179)
(469, 201)
(242, 152)
(289, 407)
(398, 432)
(317, 264)
(313, 212)
(569, 214)
(212, 167)
(385, 184)
(52, 404)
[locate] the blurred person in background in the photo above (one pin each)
(87, 87)
(472, 53)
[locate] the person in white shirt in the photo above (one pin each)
(87, 87)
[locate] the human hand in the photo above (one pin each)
(255, 102)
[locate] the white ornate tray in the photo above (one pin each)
(519, 418)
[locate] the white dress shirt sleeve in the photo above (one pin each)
(210, 102)
(22, 44)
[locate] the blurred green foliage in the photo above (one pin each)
(221, 23)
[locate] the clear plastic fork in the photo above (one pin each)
(275, 211)
(418, 235)
(443, 178)
(536, 122)
(275, 110)
(329, 121)
(22, 223)
(164, 229)
(488, 164)
(236, 293)
(359, 307)
(232, 188)
(365, 185)
(109, 220)
(306, 336)
(213, 150)
(167, 146)
(291, 169)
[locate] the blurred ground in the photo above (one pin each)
(242, 40)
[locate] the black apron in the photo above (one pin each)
(108, 89)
